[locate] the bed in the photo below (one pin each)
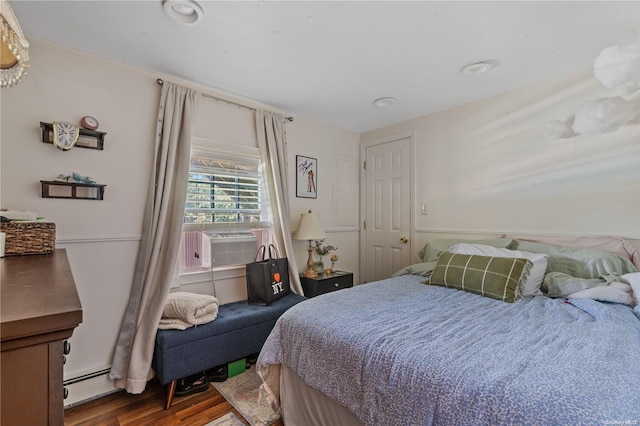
(433, 346)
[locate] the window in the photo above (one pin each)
(221, 190)
(226, 209)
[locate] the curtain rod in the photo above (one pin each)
(161, 82)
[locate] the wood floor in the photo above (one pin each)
(147, 408)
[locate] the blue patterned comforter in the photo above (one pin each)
(399, 352)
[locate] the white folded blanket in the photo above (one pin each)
(183, 310)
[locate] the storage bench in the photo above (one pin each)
(239, 330)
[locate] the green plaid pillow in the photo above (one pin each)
(501, 278)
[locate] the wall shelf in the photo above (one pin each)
(96, 188)
(91, 139)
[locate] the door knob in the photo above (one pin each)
(404, 240)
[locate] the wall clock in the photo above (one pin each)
(65, 135)
(88, 122)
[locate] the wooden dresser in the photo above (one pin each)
(40, 308)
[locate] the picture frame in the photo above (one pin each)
(306, 177)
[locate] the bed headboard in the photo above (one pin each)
(422, 237)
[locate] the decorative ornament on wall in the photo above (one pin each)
(614, 67)
(14, 48)
(65, 135)
(88, 122)
(306, 177)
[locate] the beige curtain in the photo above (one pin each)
(161, 233)
(273, 149)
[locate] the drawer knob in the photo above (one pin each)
(336, 284)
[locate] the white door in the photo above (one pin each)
(387, 212)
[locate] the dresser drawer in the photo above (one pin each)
(326, 284)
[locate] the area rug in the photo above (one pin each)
(242, 392)
(228, 419)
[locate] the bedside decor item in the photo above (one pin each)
(14, 48)
(65, 135)
(323, 249)
(318, 267)
(306, 177)
(88, 122)
(310, 229)
(334, 259)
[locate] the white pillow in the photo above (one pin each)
(536, 275)
(616, 292)
(634, 280)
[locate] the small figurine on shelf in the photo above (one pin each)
(77, 177)
(334, 259)
(62, 178)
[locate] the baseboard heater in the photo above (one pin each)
(88, 387)
(87, 376)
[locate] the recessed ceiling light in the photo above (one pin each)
(384, 102)
(480, 67)
(186, 12)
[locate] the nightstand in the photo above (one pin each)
(324, 283)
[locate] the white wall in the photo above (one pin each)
(102, 237)
(337, 152)
(486, 167)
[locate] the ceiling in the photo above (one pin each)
(329, 60)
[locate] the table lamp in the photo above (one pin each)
(310, 229)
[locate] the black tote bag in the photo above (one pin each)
(267, 279)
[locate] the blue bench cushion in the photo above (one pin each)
(239, 330)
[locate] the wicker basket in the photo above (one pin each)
(29, 237)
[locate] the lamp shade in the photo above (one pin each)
(310, 227)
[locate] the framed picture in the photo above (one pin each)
(306, 177)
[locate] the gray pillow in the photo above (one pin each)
(423, 269)
(432, 249)
(579, 262)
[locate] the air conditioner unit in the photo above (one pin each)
(231, 247)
